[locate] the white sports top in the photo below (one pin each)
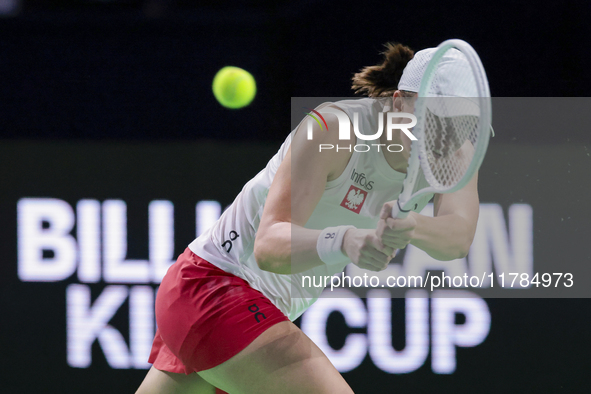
(354, 198)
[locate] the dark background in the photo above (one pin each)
(143, 69)
(123, 74)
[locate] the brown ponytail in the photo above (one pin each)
(382, 80)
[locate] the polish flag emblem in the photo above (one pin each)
(354, 199)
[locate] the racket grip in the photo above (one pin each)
(397, 213)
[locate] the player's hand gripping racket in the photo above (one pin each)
(454, 115)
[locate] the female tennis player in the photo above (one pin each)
(225, 308)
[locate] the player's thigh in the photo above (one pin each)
(162, 382)
(281, 360)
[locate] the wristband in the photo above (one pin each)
(329, 245)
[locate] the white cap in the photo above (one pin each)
(453, 80)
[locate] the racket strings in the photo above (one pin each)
(448, 154)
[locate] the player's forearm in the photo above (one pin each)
(445, 237)
(286, 248)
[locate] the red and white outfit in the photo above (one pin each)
(211, 302)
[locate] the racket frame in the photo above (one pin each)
(418, 155)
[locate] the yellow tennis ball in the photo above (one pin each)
(234, 87)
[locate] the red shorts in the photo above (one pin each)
(206, 316)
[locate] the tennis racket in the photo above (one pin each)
(454, 114)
